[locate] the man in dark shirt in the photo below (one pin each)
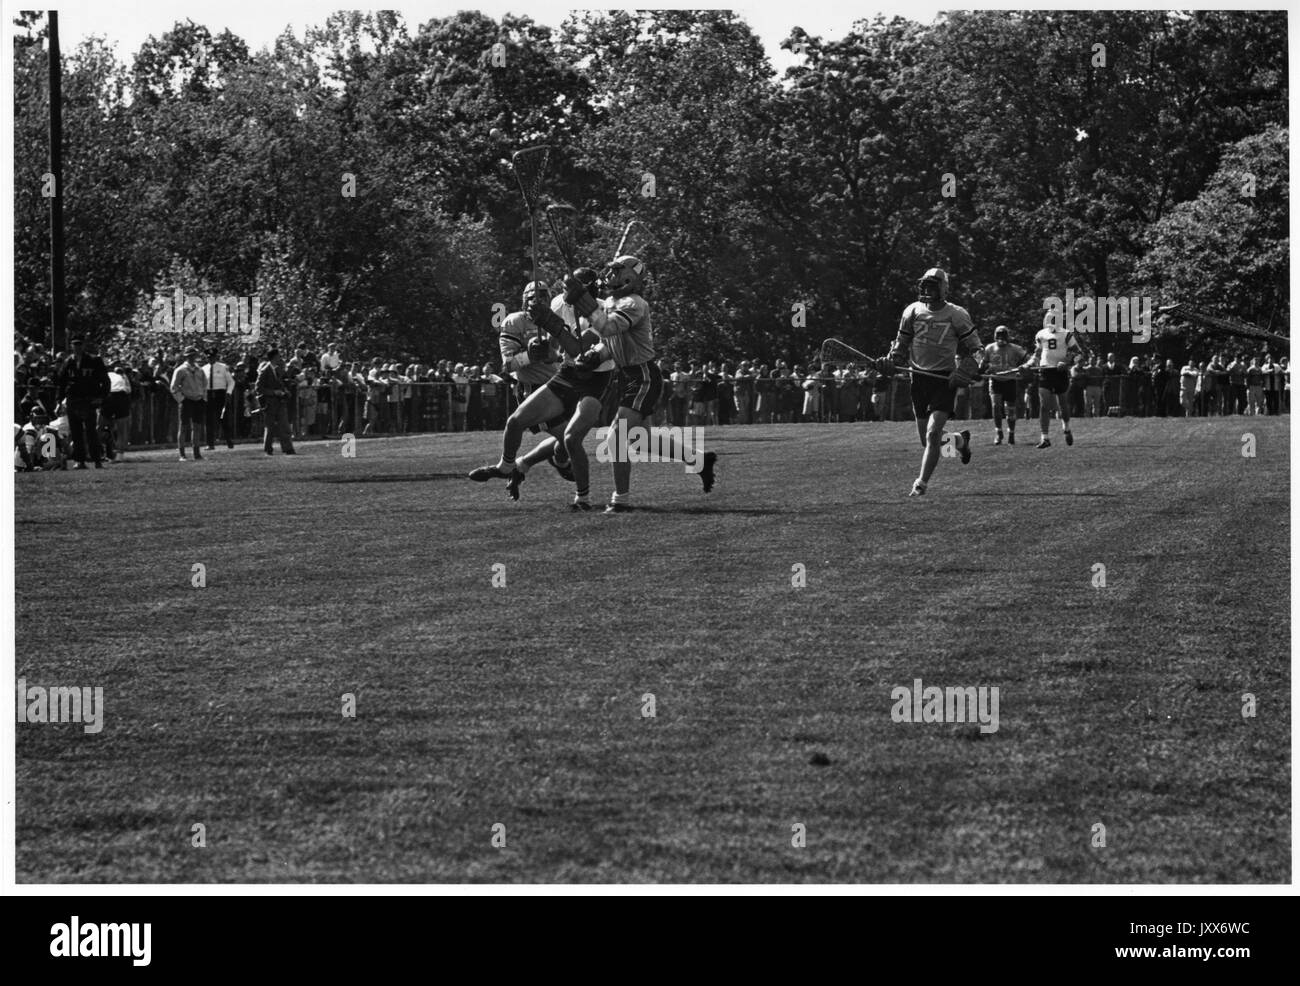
(82, 381)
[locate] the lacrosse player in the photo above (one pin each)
(1002, 356)
(937, 340)
(1055, 349)
(581, 391)
(532, 361)
(622, 319)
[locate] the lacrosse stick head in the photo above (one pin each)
(563, 221)
(529, 166)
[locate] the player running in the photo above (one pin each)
(531, 360)
(580, 390)
(1002, 356)
(622, 319)
(938, 340)
(1055, 350)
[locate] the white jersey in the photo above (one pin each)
(1054, 346)
(577, 323)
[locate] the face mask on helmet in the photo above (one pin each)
(932, 288)
(1001, 335)
(535, 288)
(625, 275)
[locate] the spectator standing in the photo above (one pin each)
(474, 410)
(1271, 385)
(1254, 387)
(189, 390)
(459, 397)
(1189, 379)
(82, 383)
(1219, 384)
(376, 397)
(812, 388)
(272, 389)
(1159, 377)
(116, 411)
(726, 395)
(219, 407)
(742, 388)
(1237, 385)
(1112, 374)
(679, 403)
(1093, 378)
(307, 401)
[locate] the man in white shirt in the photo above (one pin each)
(115, 412)
(220, 400)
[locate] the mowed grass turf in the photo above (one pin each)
(522, 706)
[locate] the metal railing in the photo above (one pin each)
(445, 407)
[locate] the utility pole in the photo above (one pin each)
(58, 304)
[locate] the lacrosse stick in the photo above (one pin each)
(529, 166)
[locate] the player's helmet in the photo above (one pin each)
(1001, 334)
(623, 275)
(932, 288)
(1051, 319)
(533, 288)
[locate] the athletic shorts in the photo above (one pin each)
(1054, 378)
(1006, 389)
(640, 387)
(930, 394)
(572, 385)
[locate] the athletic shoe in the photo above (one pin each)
(965, 447)
(998, 440)
(198, 454)
(1045, 443)
(99, 464)
(918, 489)
(512, 485)
(706, 474)
(1011, 438)
(82, 465)
(483, 473)
(565, 470)
(580, 505)
(618, 508)
(180, 458)
(1069, 438)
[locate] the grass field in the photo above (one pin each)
(523, 705)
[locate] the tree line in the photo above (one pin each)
(357, 179)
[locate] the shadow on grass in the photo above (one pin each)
(430, 477)
(739, 511)
(1033, 495)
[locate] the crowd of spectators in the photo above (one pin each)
(331, 394)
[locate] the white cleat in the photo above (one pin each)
(918, 489)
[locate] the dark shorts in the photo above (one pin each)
(930, 394)
(1006, 389)
(572, 385)
(640, 388)
(1054, 378)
